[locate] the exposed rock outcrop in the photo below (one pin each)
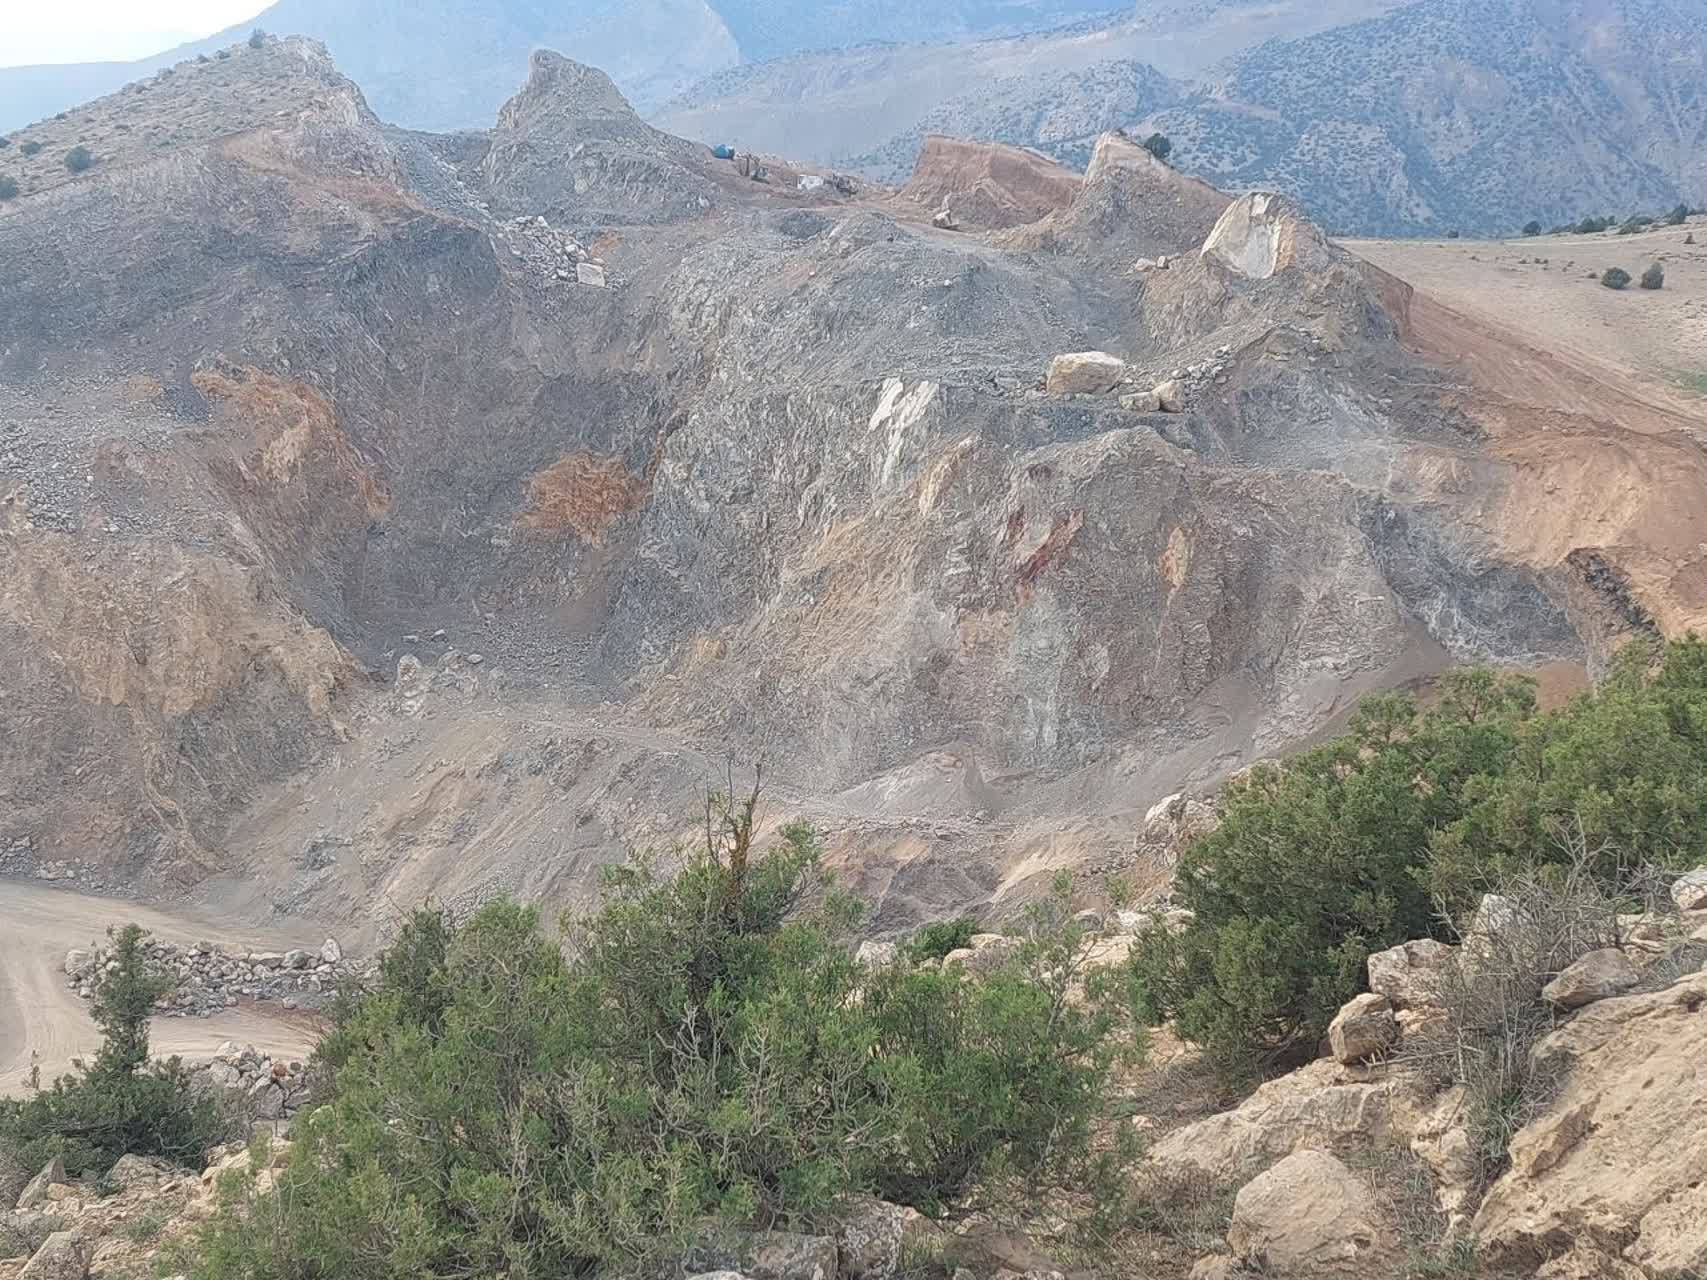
(1615, 1167)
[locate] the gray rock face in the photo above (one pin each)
(1599, 975)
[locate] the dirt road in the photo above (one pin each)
(38, 1013)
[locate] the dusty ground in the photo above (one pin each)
(1548, 289)
(38, 1012)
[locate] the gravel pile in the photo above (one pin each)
(210, 980)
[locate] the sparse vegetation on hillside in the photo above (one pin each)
(257, 39)
(1398, 827)
(707, 1050)
(78, 159)
(30, 148)
(121, 1103)
(8, 187)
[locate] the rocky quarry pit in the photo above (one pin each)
(390, 515)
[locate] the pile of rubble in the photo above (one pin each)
(552, 255)
(209, 980)
(266, 1089)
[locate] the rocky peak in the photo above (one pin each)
(560, 90)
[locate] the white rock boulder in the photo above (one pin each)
(1084, 373)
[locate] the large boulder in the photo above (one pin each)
(1262, 234)
(1615, 1164)
(1309, 1216)
(65, 1255)
(1690, 891)
(1599, 975)
(1321, 1106)
(1084, 373)
(1364, 1028)
(1409, 975)
(35, 1194)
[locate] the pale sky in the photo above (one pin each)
(109, 30)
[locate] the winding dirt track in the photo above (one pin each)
(39, 1013)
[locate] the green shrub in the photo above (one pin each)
(703, 1048)
(1318, 862)
(30, 148)
(937, 939)
(1625, 764)
(1380, 835)
(121, 1103)
(1589, 226)
(79, 159)
(1532, 228)
(8, 187)
(1615, 278)
(1159, 145)
(1678, 216)
(257, 39)
(1654, 277)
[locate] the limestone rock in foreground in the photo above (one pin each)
(1308, 1216)
(1084, 373)
(1363, 1029)
(1262, 234)
(1616, 1165)
(1599, 975)
(1409, 974)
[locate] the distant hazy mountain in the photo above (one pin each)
(1478, 114)
(1474, 114)
(449, 64)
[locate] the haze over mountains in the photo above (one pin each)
(1383, 118)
